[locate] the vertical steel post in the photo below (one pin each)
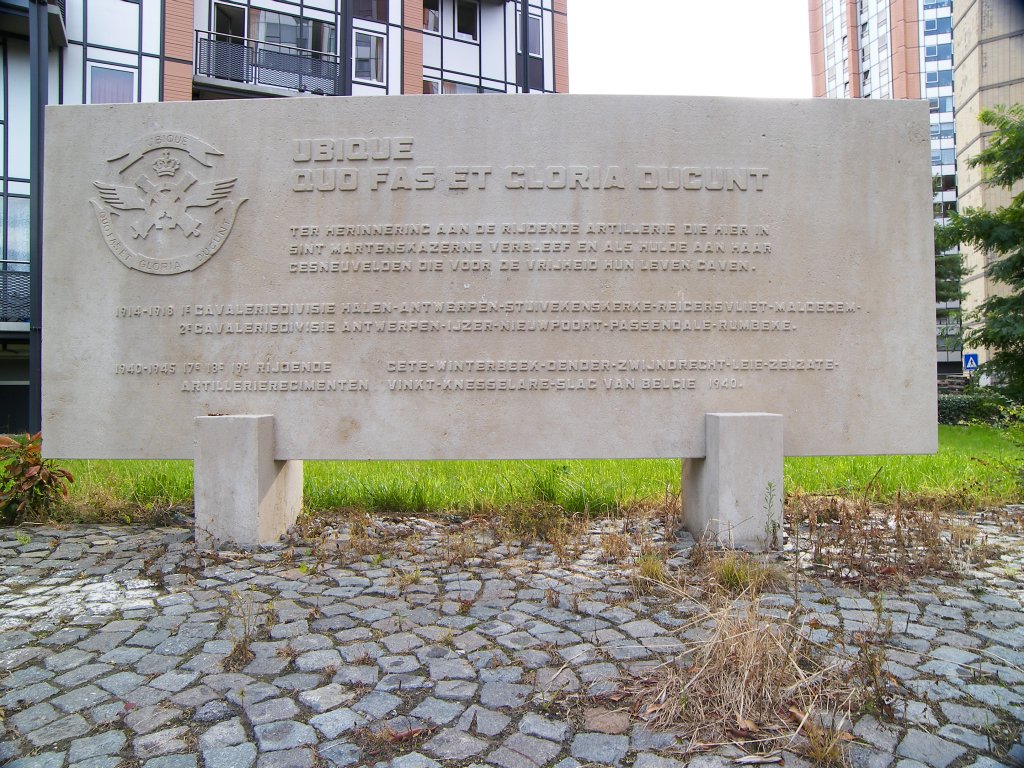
(39, 46)
(347, 48)
(524, 44)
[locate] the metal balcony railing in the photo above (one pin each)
(244, 60)
(14, 292)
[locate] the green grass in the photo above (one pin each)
(974, 465)
(468, 487)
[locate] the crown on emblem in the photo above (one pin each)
(165, 165)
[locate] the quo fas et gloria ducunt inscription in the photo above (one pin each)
(487, 277)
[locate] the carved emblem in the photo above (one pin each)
(166, 211)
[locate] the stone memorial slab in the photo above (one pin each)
(488, 277)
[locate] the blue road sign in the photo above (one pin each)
(971, 362)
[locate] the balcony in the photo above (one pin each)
(14, 19)
(14, 294)
(241, 63)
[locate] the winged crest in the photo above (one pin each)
(171, 199)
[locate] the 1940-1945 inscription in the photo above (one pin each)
(579, 296)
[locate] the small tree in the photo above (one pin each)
(1000, 318)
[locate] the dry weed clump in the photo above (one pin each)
(870, 544)
(247, 620)
(752, 682)
(460, 548)
(649, 572)
(104, 505)
(385, 742)
(739, 573)
(615, 547)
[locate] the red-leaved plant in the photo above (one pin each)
(28, 482)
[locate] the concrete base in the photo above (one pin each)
(242, 495)
(733, 496)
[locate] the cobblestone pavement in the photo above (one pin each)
(117, 645)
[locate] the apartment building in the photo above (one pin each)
(117, 51)
(898, 49)
(988, 47)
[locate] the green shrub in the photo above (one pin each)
(985, 407)
(29, 484)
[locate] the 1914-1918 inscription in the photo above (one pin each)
(452, 289)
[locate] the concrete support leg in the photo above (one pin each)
(733, 496)
(242, 495)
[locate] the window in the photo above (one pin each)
(228, 22)
(938, 52)
(272, 27)
(17, 233)
(452, 87)
(111, 86)
(432, 15)
(293, 31)
(466, 19)
(369, 58)
(371, 10)
(942, 77)
(536, 37)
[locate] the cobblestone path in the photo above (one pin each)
(120, 647)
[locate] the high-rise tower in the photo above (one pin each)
(897, 49)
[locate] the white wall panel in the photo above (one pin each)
(361, 89)
(114, 23)
(150, 76)
(73, 64)
(73, 18)
(152, 11)
(121, 58)
(431, 51)
(53, 77)
(461, 57)
(394, 74)
(492, 50)
(325, 5)
(18, 105)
